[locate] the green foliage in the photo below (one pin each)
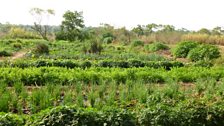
(79, 117)
(137, 43)
(108, 40)
(185, 113)
(204, 52)
(136, 63)
(182, 49)
(43, 75)
(203, 63)
(41, 48)
(156, 46)
(4, 53)
(17, 45)
(95, 47)
(7, 119)
(71, 26)
(17, 32)
(87, 63)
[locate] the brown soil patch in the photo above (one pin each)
(18, 55)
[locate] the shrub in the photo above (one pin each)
(41, 63)
(60, 36)
(136, 63)
(164, 64)
(150, 78)
(182, 49)
(11, 120)
(61, 116)
(5, 53)
(17, 45)
(106, 63)
(95, 47)
(137, 43)
(203, 63)
(156, 46)
(86, 64)
(41, 48)
(108, 40)
(17, 32)
(204, 52)
(68, 64)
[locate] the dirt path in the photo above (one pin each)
(16, 55)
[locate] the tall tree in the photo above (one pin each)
(217, 31)
(138, 30)
(204, 31)
(150, 28)
(41, 26)
(71, 25)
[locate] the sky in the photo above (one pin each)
(190, 14)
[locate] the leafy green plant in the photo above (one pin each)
(204, 52)
(108, 40)
(156, 46)
(5, 53)
(7, 119)
(41, 48)
(182, 49)
(137, 43)
(17, 45)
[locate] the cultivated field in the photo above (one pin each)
(64, 83)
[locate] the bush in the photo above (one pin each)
(86, 64)
(164, 64)
(204, 52)
(203, 63)
(150, 78)
(11, 120)
(156, 46)
(60, 36)
(108, 40)
(136, 63)
(182, 49)
(41, 48)
(17, 45)
(68, 64)
(106, 63)
(95, 47)
(41, 63)
(61, 116)
(5, 53)
(137, 43)
(17, 32)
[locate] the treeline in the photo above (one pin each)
(72, 28)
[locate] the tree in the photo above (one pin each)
(204, 31)
(138, 30)
(71, 26)
(217, 31)
(40, 26)
(150, 28)
(168, 28)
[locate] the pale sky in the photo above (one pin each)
(190, 14)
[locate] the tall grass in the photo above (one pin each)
(204, 38)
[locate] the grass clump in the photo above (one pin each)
(156, 46)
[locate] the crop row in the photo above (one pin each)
(21, 99)
(183, 114)
(57, 75)
(86, 64)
